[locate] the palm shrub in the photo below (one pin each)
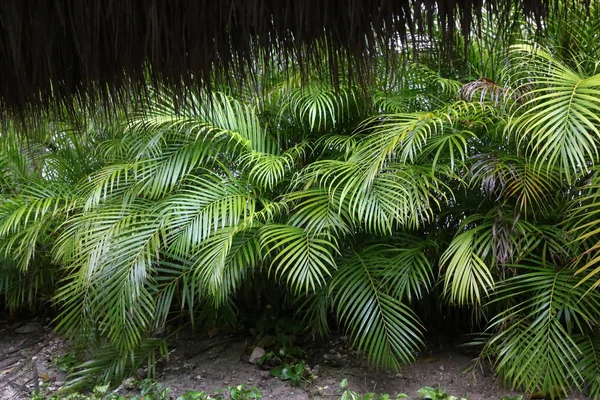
(354, 208)
(39, 176)
(183, 207)
(546, 313)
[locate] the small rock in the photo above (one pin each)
(372, 382)
(333, 363)
(198, 377)
(399, 375)
(441, 368)
(338, 356)
(344, 338)
(28, 327)
(250, 379)
(257, 353)
(332, 351)
(128, 383)
(141, 373)
(189, 366)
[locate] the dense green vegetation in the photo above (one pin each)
(452, 192)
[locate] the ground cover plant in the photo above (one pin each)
(151, 390)
(466, 191)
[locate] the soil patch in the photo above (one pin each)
(28, 359)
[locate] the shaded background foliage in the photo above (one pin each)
(463, 186)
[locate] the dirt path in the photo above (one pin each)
(227, 364)
(27, 351)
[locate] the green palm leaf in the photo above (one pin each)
(385, 329)
(468, 278)
(224, 260)
(378, 199)
(317, 212)
(29, 219)
(302, 259)
(589, 364)
(268, 170)
(559, 124)
(515, 178)
(203, 205)
(398, 136)
(534, 341)
(320, 106)
(111, 253)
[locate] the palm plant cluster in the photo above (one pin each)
(376, 212)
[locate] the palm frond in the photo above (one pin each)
(416, 88)
(381, 326)
(378, 199)
(203, 205)
(29, 219)
(559, 124)
(302, 259)
(318, 212)
(534, 340)
(468, 278)
(268, 170)
(109, 364)
(409, 270)
(589, 364)
(398, 136)
(514, 178)
(319, 106)
(111, 252)
(224, 259)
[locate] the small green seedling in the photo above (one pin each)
(240, 392)
(150, 389)
(430, 393)
(352, 395)
(65, 362)
(194, 395)
(291, 373)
